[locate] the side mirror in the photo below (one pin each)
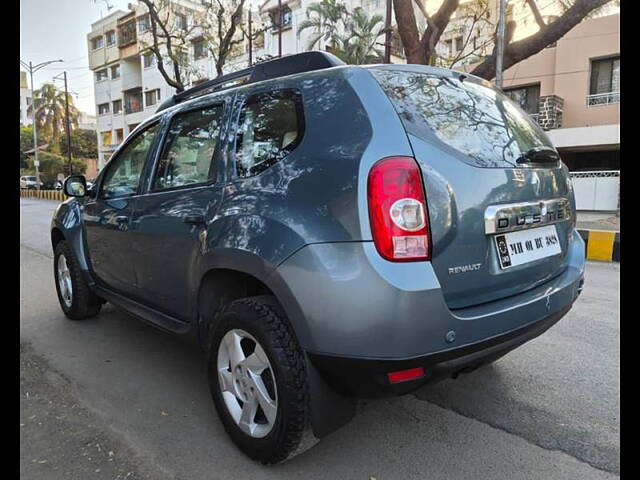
(75, 186)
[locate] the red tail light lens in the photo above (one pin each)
(398, 210)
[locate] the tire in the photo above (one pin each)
(82, 302)
(260, 319)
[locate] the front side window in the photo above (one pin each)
(187, 155)
(124, 172)
(270, 127)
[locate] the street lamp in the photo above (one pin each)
(32, 69)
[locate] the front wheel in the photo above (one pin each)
(76, 299)
(258, 380)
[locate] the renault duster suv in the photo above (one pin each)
(327, 232)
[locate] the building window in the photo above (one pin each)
(151, 97)
(133, 100)
(97, 42)
(449, 45)
(115, 71)
(119, 135)
(143, 23)
(286, 17)
(181, 21)
(605, 81)
(106, 138)
(148, 60)
(102, 75)
(117, 107)
(103, 109)
(111, 38)
(199, 49)
(127, 33)
(527, 97)
(459, 44)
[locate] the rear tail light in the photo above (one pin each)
(398, 210)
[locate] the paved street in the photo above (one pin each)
(112, 398)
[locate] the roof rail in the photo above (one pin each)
(278, 67)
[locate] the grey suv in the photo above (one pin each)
(327, 232)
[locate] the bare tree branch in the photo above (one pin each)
(536, 12)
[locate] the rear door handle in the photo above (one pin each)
(193, 219)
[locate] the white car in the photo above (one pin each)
(29, 182)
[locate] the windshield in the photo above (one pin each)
(480, 122)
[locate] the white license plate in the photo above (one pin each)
(525, 246)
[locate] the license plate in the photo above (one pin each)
(526, 246)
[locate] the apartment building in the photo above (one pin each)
(25, 100)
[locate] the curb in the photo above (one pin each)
(603, 245)
(44, 194)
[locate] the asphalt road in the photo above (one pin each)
(550, 409)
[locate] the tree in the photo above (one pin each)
(217, 23)
(49, 103)
(26, 143)
(420, 47)
(51, 165)
(351, 36)
(84, 144)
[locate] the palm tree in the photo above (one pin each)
(324, 18)
(51, 114)
(358, 44)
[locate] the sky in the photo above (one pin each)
(57, 29)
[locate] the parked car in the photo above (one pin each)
(327, 232)
(29, 182)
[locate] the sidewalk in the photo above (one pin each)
(598, 221)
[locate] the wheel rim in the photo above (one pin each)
(247, 383)
(64, 281)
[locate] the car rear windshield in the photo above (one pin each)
(482, 123)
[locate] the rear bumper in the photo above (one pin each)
(368, 378)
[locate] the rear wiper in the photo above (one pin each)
(539, 155)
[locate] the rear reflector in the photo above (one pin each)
(405, 375)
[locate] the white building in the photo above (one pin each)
(25, 100)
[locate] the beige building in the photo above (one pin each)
(573, 90)
(25, 100)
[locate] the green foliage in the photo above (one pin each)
(84, 144)
(51, 113)
(351, 36)
(51, 165)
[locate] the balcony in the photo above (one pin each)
(133, 101)
(603, 99)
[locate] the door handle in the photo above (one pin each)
(122, 219)
(193, 219)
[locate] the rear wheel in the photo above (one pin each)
(257, 379)
(76, 299)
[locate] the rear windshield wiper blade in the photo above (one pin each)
(539, 155)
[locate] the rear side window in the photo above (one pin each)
(187, 154)
(482, 123)
(270, 127)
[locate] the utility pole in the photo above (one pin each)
(68, 126)
(500, 43)
(250, 40)
(32, 69)
(387, 34)
(280, 20)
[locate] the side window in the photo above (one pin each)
(271, 125)
(187, 154)
(123, 175)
